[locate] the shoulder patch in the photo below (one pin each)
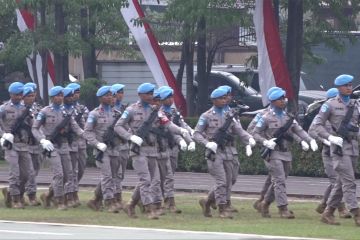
(202, 121)
(260, 122)
(324, 108)
(125, 114)
(91, 118)
(40, 116)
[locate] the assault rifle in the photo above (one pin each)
(15, 129)
(280, 134)
(345, 128)
(59, 131)
(221, 136)
(109, 136)
(145, 129)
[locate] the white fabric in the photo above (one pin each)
(336, 140)
(47, 145)
(136, 139)
(212, 146)
(270, 143)
(305, 146)
(9, 137)
(313, 145)
(183, 145)
(248, 150)
(101, 146)
(191, 147)
(252, 142)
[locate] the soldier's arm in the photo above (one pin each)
(238, 130)
(76, 128)
(298, 130)
(40, 120)
(2, 117)
(259, 130)
(183, 124)
(320, 120)
(199, 134)
(121, 126)
(89, 130)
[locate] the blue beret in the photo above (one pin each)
(166, 92)
(102, 91)
(156, 93)
(28, 90)
(276, 94)
(227, 88)
(55, 91)
(68, 91)
(74, 86)
(146, 87)
(332, 92)
(343, 79)
(218, 92)
(16, 88)
(164, 87)
(116, 87)
(31, 84)
(271, 90)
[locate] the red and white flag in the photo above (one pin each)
(272, 67)
(26, 22)
(152, 52)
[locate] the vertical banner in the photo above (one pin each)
(272, 67)
(26, 22)
(152, 52)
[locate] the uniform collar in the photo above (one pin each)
(105, 108)
(166, 108)
(218, 110)
(145, 104)
(56, 107)
(17, 105)
(118, 104)
(277, 111)
(344, 99)
(68, 106)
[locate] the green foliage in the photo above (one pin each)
(89, 88)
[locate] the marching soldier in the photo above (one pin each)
(29, 96)
(342, 113)
(141, 116)
(220, 157)
(55, 123)
(78, 147)
(99, 122)
(279, 159)
(12, 114)
(327, 161)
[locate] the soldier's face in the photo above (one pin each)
(76, 96)
(168, 101)
(119, 95)
(146, 97)
(280, 103)
(220, 102)
(16, 98)
(107, 99)
(58, 99)
(346, 89)
(29, 99)
(69, 99)
(156, 102)
(229, 98)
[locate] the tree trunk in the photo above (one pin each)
(190, 94)
(201, 67)
(87, 30)
(294, 47)
(180, 73)
(61, 60)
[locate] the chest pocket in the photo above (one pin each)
(138, 117)
(10, 115)
(51, 119)
(213, 125)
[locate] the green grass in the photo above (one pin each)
(306, 224)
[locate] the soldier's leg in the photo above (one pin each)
(12, 157)
(57, 185)
(31, 185)
(115, 169)
(82, 163)
(174, 156)
(217, 171)
(107, 183)
(169, 187)
(69, 178)
(267, 189)
(141, 166)
(156, 190)
(26, 171)
(96, 202)
(229, 171)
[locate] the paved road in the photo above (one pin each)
(200, 182)
(27, 230)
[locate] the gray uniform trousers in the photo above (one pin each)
(107, 174)
(174, 156)
(118, 168)
(279, 171)
(20, 168)
(82, 162)
(330, 172)
(61, 166)
(147, 169)
(345, 185)
(166, 174)
(36, 159)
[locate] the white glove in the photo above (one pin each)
(192, 131)
(183, 145)
(47, 145)
(136, 139)
(270, 143)
(304, 146)
(101, 146)
(212, 146)
(326, 142)
(191, 147)
(9, 137)
(252, 142)
(2, 141)
(313, 145)
(184, 132)
(336, 140)
(248, 150)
